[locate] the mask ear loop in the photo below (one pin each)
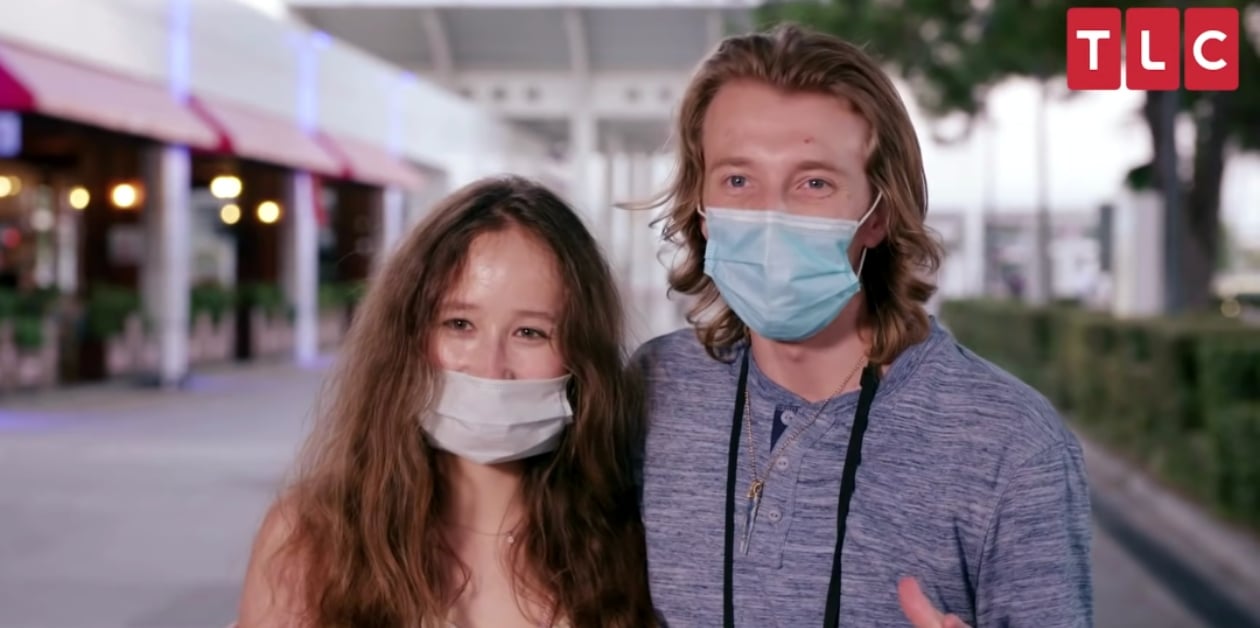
(879, 196)
(862, 259)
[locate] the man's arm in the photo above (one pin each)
(1035, 567)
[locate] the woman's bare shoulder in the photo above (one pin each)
(272, 592)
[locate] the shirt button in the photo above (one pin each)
(786, 417)
(781, 464)
(774, 515)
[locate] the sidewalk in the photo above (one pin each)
(141, 504)
(143, 387)
(136, 508)
(1212, 568)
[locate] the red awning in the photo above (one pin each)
(253, 134)
(35, 82)
(368, 163)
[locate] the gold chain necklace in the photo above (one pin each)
(508, 535)
(759, 480)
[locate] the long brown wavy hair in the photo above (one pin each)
(896, 275)
(368, 501)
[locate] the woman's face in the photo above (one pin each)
(499, 319)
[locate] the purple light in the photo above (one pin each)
(308, 84)
(397, 121)
(14, 421)
(179, 51)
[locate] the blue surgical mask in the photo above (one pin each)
(785, 276)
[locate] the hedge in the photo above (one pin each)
(1180, 397)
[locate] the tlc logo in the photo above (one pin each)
(1152, 49)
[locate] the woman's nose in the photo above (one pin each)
(488, 360)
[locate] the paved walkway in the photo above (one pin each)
(136, 509)
(126, 509)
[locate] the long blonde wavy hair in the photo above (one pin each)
(896, 276)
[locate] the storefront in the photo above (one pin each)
(141, 232)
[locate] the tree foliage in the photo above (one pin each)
(952, 52)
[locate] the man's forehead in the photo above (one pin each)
(744, 119)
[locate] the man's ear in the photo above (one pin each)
(875, 229)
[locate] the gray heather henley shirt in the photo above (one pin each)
(969, 481)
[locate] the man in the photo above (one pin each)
(820, 450)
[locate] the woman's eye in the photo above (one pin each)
(457, 324)
(532, 333)
(737, 180)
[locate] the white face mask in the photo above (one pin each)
(490, 421)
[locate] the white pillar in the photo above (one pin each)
(644, 242)
(605, 228)
(393, 215)
(645, 245)
(68, 220)
(301, 266)
(596, 206)
(648, 288)
(974, 249)
(976, 220)
(1137, 288)
(638, 189)
(582, 150)
(617, 186)
(1040, 287)
(630, 219)
(665, 313)
(167, 270)
(638, 319)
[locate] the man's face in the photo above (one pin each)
(801, 153)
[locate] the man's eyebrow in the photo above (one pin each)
(807, 164)
(727, 162)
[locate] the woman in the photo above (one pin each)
(472, 467)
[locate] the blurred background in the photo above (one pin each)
(193, 192)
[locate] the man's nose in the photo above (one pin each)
(767, 198)
(771, 199)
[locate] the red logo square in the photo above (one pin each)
(1093, 48)
(1152, 48)
(1212, 47)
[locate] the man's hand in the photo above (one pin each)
(920, 611)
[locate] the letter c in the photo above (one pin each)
(1204, 62)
